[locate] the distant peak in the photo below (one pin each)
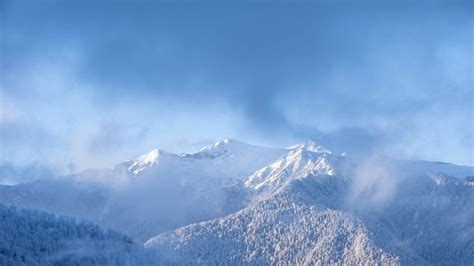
(301, 161)
(227, 142)
(311, 145)
(149, 157)
(222, 144)
(310, 142)
(145, 160)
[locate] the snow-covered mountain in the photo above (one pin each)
(301, 161)
(311, 206)
(233, 202)
(273, 232)
(224, 162)
(134, 196)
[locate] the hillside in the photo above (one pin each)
(35, 238)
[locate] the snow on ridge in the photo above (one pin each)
(221, 144)
(299, 234)
(302, 161)
(227, 146)
(226, 162)
(237, 159)
(284, 227)
(303, 216)
(310, 145)
(144, 161)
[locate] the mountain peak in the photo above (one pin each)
(145, 160)
(224, 147)
(150, 156)
(311, 145)
(299, 162)
(222, 144)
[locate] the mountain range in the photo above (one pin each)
(236, 203)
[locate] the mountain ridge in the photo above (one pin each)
(366, 209)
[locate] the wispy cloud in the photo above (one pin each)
(131, 77)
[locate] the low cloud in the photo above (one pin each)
(359, 82)
(374, 184)
(11, 174)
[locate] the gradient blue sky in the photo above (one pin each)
(91, 83)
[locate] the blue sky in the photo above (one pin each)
(91, 83)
